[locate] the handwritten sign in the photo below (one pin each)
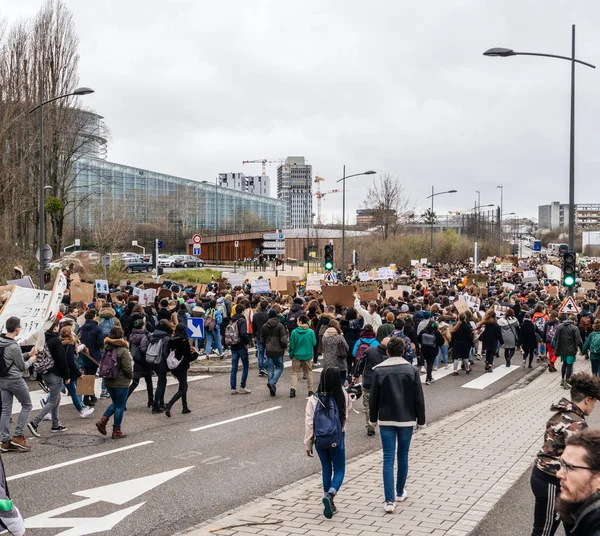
(367, 290)
(423, 273)
(385, 273)
(30, 306)
(313, 282)
(260, 286)
(101, 286)
(552, 272)
(364, 276)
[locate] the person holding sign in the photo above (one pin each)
(13, 362)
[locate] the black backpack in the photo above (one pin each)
(4, 368)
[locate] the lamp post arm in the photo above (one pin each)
(554, 56)
(51, 100)
(349, 176)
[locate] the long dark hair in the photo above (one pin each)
(331, 386)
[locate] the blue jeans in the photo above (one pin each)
(213, 337)
(72, 390)
(118, 395)
(442, 352)
(236, 355)
(333, 467)
(389, 435)
(260, 355)
(275, 369)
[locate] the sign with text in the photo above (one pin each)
(101, 286)
(423, 273)
(553, 272)
(30, 306)
(83, 292)
(367, 290)
(364, 276)
(313, 281)
(260, 286)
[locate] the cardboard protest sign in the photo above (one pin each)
(340, 296)
(367, 290)
(85, 385)
(58, 291)
(114, 296)
(75, 278)
(385, 273)
(588, 285)
(405, 288)
(414, 262)
(200, 288)
(423, 262)
(529, 276)
(261, 286)
(594, 265)
(153, 285)
(164, 293)
(278, 284)
(147, 296)
(397, 294)
(461, 305)
(101, 286)
(387, 286)
(137, 291)
(500, 310)
(82, 292)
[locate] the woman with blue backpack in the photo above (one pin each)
(116, 369)
(592, 345)
(325, 424)
(212, 329)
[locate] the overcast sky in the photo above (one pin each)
(192, 88)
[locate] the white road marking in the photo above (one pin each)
(77, 460)
(486, 379)
(235, 419)
(65, 400)
(438, 374)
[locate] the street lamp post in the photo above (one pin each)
(500, 219)
(505, 52)
(433, 194)
(42, 237)
(343, 181)
(216, 223)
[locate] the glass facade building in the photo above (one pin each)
(149, 197)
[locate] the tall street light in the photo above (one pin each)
(433, 194)
(500, 219)
(76, 93)
(505, 52)
(343, 181)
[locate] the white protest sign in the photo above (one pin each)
(509, 286)
(414, 262)
(260, 286)
(364, 276)
(529, 276)
(236, 280)
(147, 296)
(385, 273)
(405, 288)
(30, 306)
(137, 291)
(58, 291)
(423, 273)
(423, 261)
(101, 286)
(506, 266)
(553, 272)
(313, 281)
(25, 282)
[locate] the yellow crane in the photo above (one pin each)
(264, 163)
(320, 195)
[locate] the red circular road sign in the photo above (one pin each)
(197, 239)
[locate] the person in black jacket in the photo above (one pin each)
(183, 353)
(373, 356)
(54, 377)
(92, 337)
(274, 337)
(490, 338)
(397, 405)
(528, 339)
(239, 352)
(351, 327)
(259, 319)
(430, 340)
(461, 343)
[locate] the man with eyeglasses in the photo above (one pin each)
(569, 418)
(579, 500)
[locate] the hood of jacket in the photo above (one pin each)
(7, 341)
(89, 325)
(302, 328)
(115, 343)
(137, 335)
(296, 308)
(330, 332)
(157, 335)
(566, 406)
(272, 323)
(505, 321)
(107, 313)
(367, 334)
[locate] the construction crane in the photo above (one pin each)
(320, 195)
(264, 163)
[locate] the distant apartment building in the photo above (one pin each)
(294, 187)
(556, 215)
(365, 217)
(258, 185)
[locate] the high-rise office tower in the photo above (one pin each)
(294, 186)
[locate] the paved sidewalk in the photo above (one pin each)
(459, 468)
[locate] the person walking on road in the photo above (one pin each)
(236, 336)
(567, 343)
(274, 338)
(370, 315)
(430, 340)
(91, 335)
(324, 428)
(138, 344)
(213, 320)
(118, 387)
(579, 500)
(258, 321)
(302, 343)
(591, 346)
(373, 356)
(180, 344)
(569, 418)
(509, 326)
(335, 349)
(528, 340)
(12, 384)
(461, 343)
(156, 357)
(397, 405)
(549, 334)
(71, 344)
(490, 339)
(54, 377)
(10, 517)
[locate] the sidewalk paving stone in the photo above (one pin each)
(459, 467)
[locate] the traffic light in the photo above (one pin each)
(569, 266)
(328, 264)
(278, 261)
(47, 277)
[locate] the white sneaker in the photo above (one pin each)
(47, 417)
(435, 368)
(389, 507)
(86, 412)
(244, 391)
(423, 370)
(403, 497)
(234, 392)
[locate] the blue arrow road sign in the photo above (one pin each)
(195, 328)
(197, 250)
(159, 244)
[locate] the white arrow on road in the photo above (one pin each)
(119, 493)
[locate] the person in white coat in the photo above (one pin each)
(370, 315)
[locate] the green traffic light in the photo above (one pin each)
(328, 266)
(569, 281)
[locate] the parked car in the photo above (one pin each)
(174, 261)
(190, 260)
(133, 264)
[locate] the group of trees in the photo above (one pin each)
(39, 61)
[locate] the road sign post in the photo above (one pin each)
(237, 245)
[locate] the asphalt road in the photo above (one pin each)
(197, 474)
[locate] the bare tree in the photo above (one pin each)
(387, 200)
(112, 228)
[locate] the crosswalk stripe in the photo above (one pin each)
(438, 374)
(489, 378)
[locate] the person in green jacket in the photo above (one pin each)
(118, 387)
(302, 343)
(592, 345)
